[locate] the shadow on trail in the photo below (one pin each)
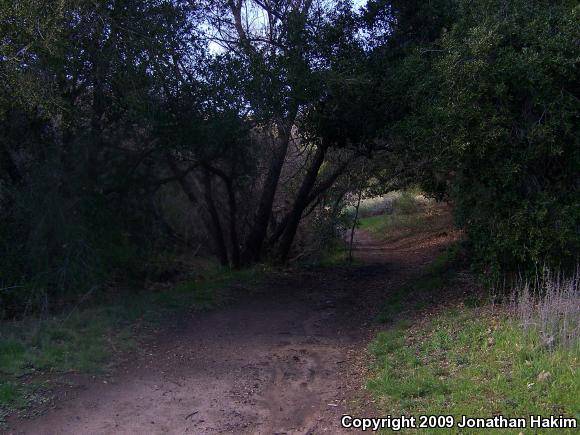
(290, 360)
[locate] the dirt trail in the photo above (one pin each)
(290, 361)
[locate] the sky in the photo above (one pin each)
(216, 48)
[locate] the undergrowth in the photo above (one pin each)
(382, 226)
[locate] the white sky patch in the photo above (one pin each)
(255, 18)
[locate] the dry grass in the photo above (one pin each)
(396, 202)
(549, 307)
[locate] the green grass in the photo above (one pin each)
(471, 362)
(9, 393)
(467, 359)
(399, 202)
(408, 214)
(87, 340)
(383, 225)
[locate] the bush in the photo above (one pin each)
(407, 203)
(495, 110)
(59, 241)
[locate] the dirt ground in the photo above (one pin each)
(289, 361)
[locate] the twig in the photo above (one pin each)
(10, 288)
(191, 415)
(85, 296)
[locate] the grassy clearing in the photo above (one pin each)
(404, 213)
(333, 256)
(468, 359)
(87, 340)
(332, 253)
(405, 201)
(382, 227)
(337, 256)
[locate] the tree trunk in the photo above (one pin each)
(354, 225)
(214, 221)
(95, 143)
(233, 225)
(8, 164)
(301, 203)
(255, 240)
(233, 213)
(99, 59)
(311, 195)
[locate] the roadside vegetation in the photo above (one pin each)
(35, 352)
(118, 146)
(466, 355)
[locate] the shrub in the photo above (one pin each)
(494, 110)
(59, 243)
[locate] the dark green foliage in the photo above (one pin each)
(510, 93)
(81, 92)
(102, 103)
(490, 121)
(56, 246)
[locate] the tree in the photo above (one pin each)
(284, 59)
(487, 120)
(81, 88)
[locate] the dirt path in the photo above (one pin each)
(288, 362)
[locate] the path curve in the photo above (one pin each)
(289, 361)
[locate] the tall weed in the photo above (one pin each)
(549, 307)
